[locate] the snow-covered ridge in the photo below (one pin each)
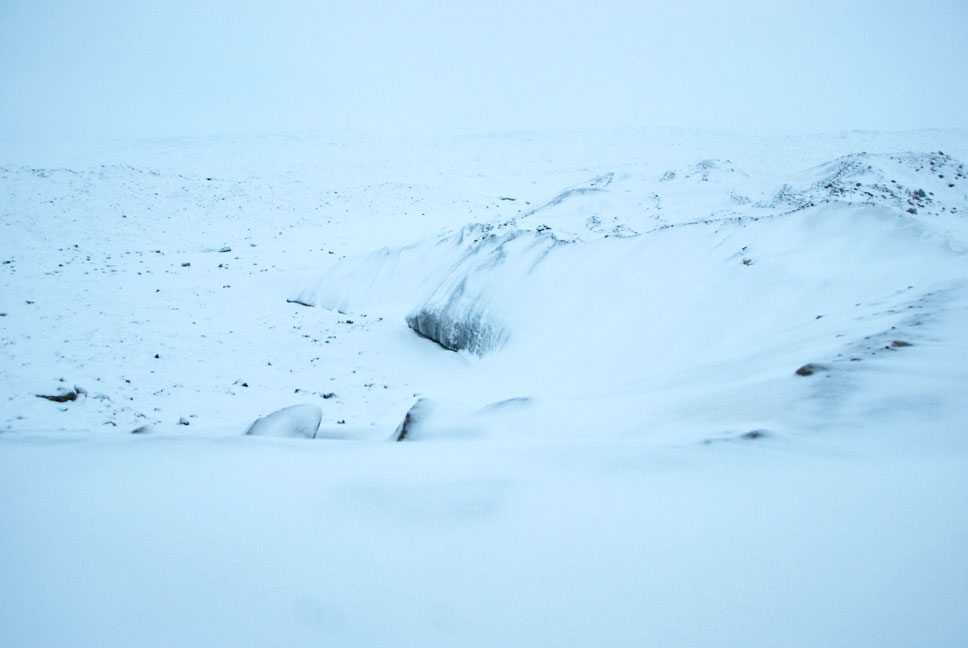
(478, 288)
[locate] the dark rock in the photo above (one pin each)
(412, 419)
(755, 434)
(301, 421)
(900, 343)
(752, 435)
(809, 369)
(60, 398)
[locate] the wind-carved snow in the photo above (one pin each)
(536, 282)
(448, 283)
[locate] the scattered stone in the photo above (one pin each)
(144, 429)
(182, 421)
(327, 395)
(186, 265)
(900, 343)
(225, 249)
(809, 369)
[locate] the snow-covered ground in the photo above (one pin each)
(709, 389)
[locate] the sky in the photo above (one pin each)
(109, 68)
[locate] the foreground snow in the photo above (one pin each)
(621, 454)
(119, 541)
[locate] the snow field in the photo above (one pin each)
(635, 462)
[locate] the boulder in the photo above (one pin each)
(298, 421)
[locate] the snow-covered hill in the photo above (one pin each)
(652, 388)
(701, 281)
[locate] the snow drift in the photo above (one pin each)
(555, 273)
(758, 283)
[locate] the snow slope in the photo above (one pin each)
(710, 302)
(621, 453)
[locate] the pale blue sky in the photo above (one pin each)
(71, 68)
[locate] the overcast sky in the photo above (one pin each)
(109, 67)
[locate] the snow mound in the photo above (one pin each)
(435, 419)
(298, 421)
(414, 419)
